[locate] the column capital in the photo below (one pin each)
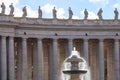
(55, 39)
(116, 40)
(39, 39)
(11, 37)
(85, 39)
(101, 39)
(24, 38)
(70, 39)
(3, 37)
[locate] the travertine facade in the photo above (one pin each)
(35, 48)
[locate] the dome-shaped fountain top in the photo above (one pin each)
(76, 62)
(75, 57)
(75, 67)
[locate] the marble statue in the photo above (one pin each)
(11, 9)
(116, 14)
(24, 12)
(85, 14)
(54, 13)
(39, 12)
(100, 14)
(3, 8)
(70, 13)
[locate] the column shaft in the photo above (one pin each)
(85, 49)
(39, 46)
(70, 47)
(24, 59)
(116, 59)
(19, 61)
(3, 59)
(101, 60)
(55, 60)
(11, 59)
(35, 62)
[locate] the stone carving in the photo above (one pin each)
(100, 14)
(3, 8)
(85, 14)
(116, 14)
(70, 13)
(39, 12)
(11, 9)
(54, 13)
(24, 12)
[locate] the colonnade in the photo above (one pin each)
(8, 58)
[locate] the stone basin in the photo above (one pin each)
(74, 71)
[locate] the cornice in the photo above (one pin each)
(51, 21)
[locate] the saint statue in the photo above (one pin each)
(70, 13)
(116, 14)
(54, 13)
(39, 12)
(24, 12)
(11, 9)
(85, 14)
(100, 14)
(3, 8)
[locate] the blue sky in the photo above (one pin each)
(62, 6)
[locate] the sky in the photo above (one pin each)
(62, 6)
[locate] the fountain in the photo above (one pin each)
(75, 68)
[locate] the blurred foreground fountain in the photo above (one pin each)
(75, 68)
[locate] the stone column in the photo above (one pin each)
(39, 48)
(11, 59)
(3, 59)
(116, 59)
(55, 59)
(70, 47)
(35, 62)
(101, 59)
(24, 59)
(85, 50)
(19, 60)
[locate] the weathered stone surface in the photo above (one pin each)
(69, 33)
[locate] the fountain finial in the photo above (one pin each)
(74, 48)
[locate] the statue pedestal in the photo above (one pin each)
(54, 21)
(100, 22)
(69, 21)
(85, 21)
(11, 18)
(116, 21)
(39, 20)
(23, 19)
(4, 17)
